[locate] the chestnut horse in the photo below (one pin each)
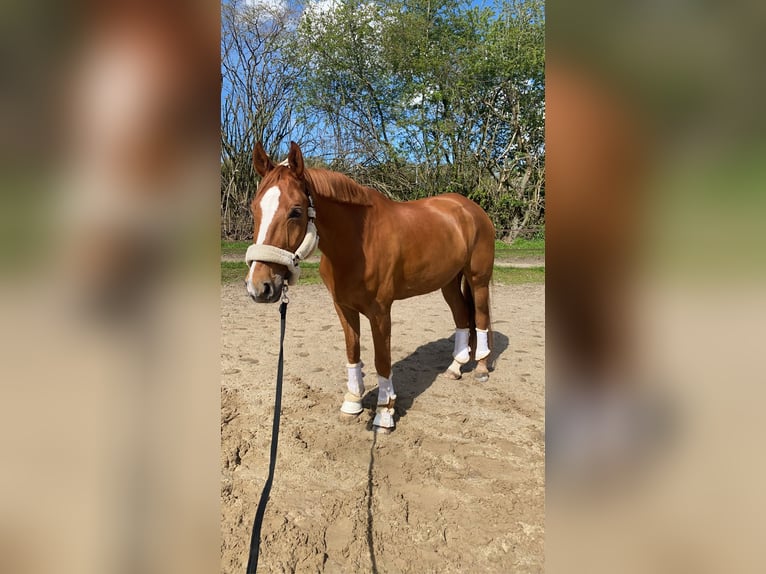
(374, 251)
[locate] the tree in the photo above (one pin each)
(258, 99)
(412, 97)
(511, 145)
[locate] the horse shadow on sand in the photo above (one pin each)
(413, 375)
(416, 372)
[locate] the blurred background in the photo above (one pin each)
(655, 303)
(109, 346)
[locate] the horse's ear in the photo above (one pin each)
(261, 161)
(295, 159)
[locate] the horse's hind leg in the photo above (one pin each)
(480, 292)
(461, 314)
(352, 401)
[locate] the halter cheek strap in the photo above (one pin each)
(271, 254)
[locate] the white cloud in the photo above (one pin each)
(321, 7)
(423, 97)
(273, 6)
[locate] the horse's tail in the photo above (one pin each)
(465, 289)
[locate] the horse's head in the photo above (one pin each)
(283, 231)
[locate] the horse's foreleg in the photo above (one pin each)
(352, 401)
(380, 323)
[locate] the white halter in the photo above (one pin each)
(271, 254)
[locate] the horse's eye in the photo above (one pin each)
(295, 213)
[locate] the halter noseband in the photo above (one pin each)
(272, 254)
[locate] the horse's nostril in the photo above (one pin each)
(266, 289)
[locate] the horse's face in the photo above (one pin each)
(280, 219)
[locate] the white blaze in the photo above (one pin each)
(249, 282)
(269, 204)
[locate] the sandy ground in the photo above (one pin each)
(458, 487)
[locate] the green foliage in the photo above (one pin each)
(422, 97)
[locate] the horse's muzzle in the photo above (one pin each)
(267, 291)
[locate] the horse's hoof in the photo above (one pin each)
(348, 418)
(352, 405)
(451, 375)
(480, 376)
(384, 423)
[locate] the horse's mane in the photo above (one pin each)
(338, 187)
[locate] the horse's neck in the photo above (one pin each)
(340, 228)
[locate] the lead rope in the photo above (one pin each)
(255, 538)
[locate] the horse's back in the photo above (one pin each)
(457, 213)
(425, 243)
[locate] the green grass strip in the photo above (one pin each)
(233, 271)
(518, 248)
(518, 276)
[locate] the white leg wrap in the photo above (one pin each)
(384, 417)
(352, 401)
(454, 367)
(385, 390)
(384, 414)
(482, 348)
(355, 379)
(462, 352)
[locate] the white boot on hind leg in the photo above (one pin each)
(352, 401)
(481, 374)
(384, 414)
(482, 345)
(453, 371)
(462, 351)
(461, 354)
